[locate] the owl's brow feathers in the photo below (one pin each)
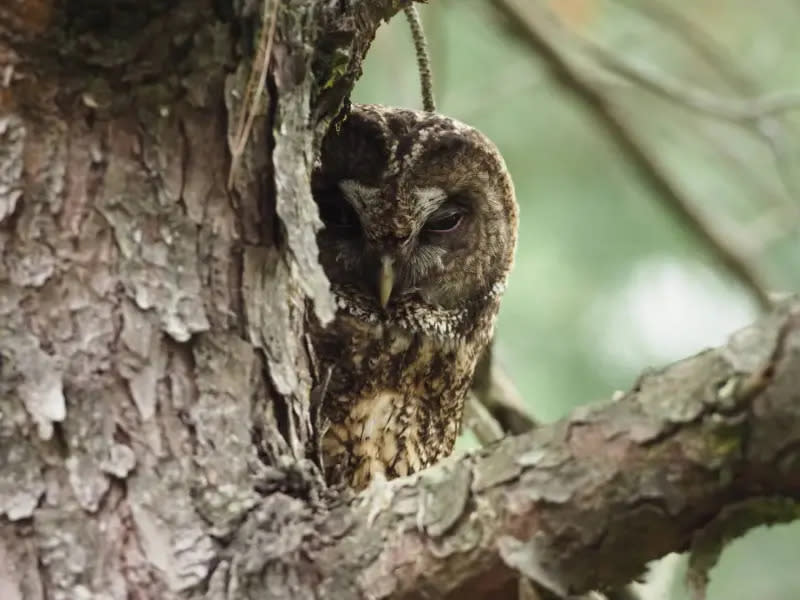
(366, 199)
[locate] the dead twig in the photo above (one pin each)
(255, 86)
(423, 60)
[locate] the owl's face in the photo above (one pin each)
(416, 209)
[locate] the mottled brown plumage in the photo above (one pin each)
(419, 234)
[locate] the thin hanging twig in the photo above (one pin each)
(423, 60)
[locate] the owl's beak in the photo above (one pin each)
(385, 280)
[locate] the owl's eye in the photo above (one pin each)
(444, 220)
(335, 211)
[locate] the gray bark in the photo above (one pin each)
(151, 320)
(155, 429)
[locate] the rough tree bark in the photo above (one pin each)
(155, 428)
(152, 319)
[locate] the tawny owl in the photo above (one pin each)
(419, 234)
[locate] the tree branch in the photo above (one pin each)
(770, 128)
(531, 31)
(729, 109)
(695, 37)
(494, 409)
(759, 114)
(587, 502)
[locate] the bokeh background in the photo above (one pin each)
(607, 281)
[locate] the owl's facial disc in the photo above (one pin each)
(419, 214)
(390, 243)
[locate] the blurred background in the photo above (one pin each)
(639, 244)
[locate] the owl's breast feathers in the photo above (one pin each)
(396, 393)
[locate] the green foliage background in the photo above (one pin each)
(606, 281)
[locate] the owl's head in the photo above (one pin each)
(417, 209)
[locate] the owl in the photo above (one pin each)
(419, 232)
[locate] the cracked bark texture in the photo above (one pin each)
(151, 320)
(154, 381)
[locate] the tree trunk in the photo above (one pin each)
(152, 318)
(156, 433)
